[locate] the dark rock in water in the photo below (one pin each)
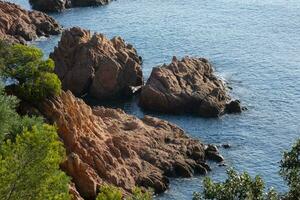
(188, 85)
(82, 3)
(233, 107)
(226, 146)
(222, 164)
(60, 5)
(91, 63)
(108, 146)
(18, 25)
(49, 5)
(212, 153)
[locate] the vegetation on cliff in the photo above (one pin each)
(30, 154)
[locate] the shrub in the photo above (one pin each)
(109, 192)
(32, 76)
(29, 167)
(290, 171)
(237, 186)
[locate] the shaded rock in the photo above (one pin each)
(82, 3)
(226, 146)
(50, 5)
(234, 107)
(92, 64)
(212, 153)
(109, 146)
(188, 85)
(60, 5)
(18, 25)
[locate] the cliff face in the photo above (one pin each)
(187, 85)
(18, 25)
(91, 63)
(109, 146)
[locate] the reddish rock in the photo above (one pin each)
(18, 25)
(188, 85)
(109, 146)
(91, 63)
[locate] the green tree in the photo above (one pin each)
(29, 167)
(11, 124)
(290, 171)
(7, 113)
(32, 76)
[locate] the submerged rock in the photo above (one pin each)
(91, 63)
(188, 85)
(109, 146)
(60, 5)
(18, 25)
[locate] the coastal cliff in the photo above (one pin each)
(109, 146)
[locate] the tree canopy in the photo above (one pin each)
(29, 167)
(32, 77)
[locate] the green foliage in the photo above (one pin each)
(109, 192)
(138, 194)
(236, 187)
(29, 167)
(33, 76)
(11, 124)
(290, 170)
(7, 113)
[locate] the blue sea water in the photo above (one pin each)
(253, 44)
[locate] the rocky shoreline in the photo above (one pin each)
(109, 146)
(18, 25)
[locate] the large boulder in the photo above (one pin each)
(188, 85)
(91, 63)
(108, 146)
(60, 5)
(18, 25)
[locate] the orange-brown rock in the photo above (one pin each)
(18, 25)
(109, 146)
(91, 63)
(188, 85)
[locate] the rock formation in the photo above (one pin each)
(188, 85)
(91, 63)
(60, 5)
(109, 146)
(18, 25)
